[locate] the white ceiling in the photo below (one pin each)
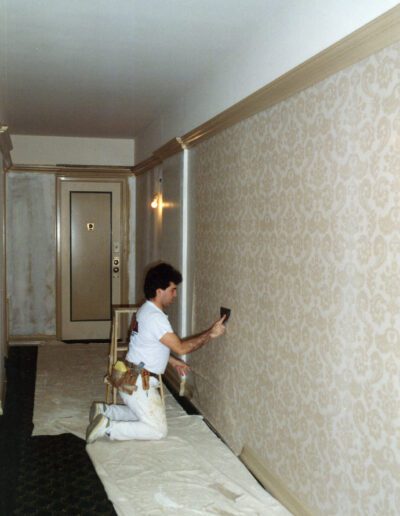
(107, 68)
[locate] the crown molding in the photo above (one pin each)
(369, 39)
(145, 165)
(73, 170)
(171, 148)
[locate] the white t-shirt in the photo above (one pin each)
(145, 346)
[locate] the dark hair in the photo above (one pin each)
(160, 276)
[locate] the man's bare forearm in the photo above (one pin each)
(195, 342)
(190, 344)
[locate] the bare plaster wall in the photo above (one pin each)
(159, 231)
(53, 150)
(147, 226)
(297, 230)
(31, 253)
(171, 234)
(132, 240)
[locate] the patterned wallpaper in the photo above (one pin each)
(298, 213)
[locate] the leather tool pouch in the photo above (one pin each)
(125, 381)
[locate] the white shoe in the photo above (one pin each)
(97, 428)
(96, 409)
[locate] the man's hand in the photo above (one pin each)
(218, 328)
(179, 365)
(190, 344)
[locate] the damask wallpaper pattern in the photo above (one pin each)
(298, 214)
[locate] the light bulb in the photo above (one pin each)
(154, 202)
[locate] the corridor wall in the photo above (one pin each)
(147, 227)
(159, 230)
(3, 313)
(297, 213)
(31, 253)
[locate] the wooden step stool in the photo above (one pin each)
(115, 346)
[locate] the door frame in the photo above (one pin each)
(94, 177)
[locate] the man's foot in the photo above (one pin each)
(97, 428)
(96, 409)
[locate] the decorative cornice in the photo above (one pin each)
(146, 165)
(374, 36)
(171, 148)
(74, 170)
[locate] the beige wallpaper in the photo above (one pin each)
(298, 213)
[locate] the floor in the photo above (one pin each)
(52, 472)
(42, 475)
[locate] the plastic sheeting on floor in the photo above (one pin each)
(191, 472)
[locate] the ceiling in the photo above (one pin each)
(108, 68)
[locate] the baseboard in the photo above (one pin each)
(29, 340)
(273, 484)
(249, 458)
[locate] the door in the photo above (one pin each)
(90, 214)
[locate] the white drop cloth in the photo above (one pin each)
(68, 378)
(191, 472)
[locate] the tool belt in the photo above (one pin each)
(124, 375)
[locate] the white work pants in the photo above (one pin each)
(142, 417)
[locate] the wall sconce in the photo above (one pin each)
(156, 201)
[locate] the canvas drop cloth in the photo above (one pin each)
(68, 378)
(191, 472)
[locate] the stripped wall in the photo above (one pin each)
(31, 253)
(147, 227)
(297, 213)
(159, 231)
(171, 234)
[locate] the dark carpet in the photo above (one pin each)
(44, 475)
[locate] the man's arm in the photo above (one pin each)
(190, 344)
(179, 365)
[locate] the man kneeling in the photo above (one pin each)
(143, 414)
